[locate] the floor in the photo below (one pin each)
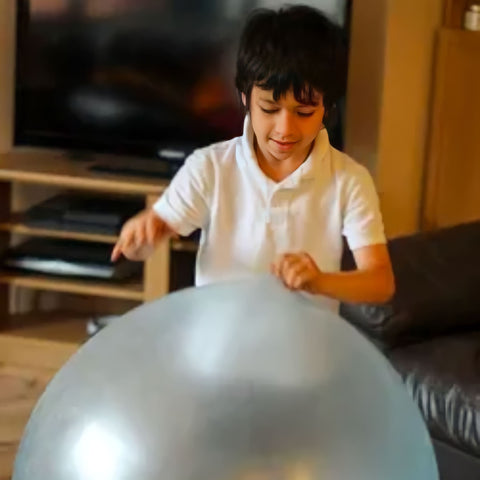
(29, 358)
(20, 388)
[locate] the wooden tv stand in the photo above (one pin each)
(55, 171)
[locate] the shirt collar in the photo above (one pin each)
(309, 168)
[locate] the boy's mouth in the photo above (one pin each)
(284, 145)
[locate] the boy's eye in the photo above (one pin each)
(304, 114)
(269, 110)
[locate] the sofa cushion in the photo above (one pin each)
(437, 277)
(443, 377)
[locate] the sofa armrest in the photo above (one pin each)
(437, 278)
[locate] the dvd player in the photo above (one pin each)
(69, 258)
(83, 213)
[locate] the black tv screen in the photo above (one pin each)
(131, 76)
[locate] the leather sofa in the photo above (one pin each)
(430, 331)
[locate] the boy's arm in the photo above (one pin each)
(183, 207)
(140, 235)
(372, 282)
(185, 204)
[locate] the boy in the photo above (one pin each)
(280, 197)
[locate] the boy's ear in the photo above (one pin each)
(244, 99)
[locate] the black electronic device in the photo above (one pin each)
(138, 78)
(87, 213)
(123, 77)
(69, 258)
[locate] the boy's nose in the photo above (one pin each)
(285, 125)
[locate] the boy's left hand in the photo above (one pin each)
(298, 271)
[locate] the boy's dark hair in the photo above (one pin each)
(296, 47)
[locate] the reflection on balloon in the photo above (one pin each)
(234, 381)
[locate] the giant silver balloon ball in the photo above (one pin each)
(235, 381)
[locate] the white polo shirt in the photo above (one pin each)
(247, 219)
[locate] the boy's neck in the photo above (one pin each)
(275, 169)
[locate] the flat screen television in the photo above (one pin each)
(131, 77)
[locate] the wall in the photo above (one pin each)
(389, 98)
(365, 81)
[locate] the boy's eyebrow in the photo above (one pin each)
(273, 102)
(313, 104)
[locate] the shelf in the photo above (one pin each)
(129, 291)
(183, 245)
(58, 169)
(16, 225)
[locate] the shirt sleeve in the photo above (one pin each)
(185, 204)
(362, 219)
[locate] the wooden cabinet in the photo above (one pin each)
(453, 13)
(453, 182)
(452, 176)
(55, 170)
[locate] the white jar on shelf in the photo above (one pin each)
(471, 20)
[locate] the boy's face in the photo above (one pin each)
(285, 129)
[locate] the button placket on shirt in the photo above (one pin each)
(276, 208)
(277, 214)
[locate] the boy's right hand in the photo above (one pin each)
(139, 236)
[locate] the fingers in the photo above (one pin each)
(150, 231)
(143, 230)
(131, 237)
(126, 241)
(295, 270)
(116, 252)
(139, 236)
(297, 276)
